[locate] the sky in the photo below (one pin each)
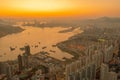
(60, 8)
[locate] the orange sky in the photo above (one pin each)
(84, 8)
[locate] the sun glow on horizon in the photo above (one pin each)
(43, 5)
(59, 7)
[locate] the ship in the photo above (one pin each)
(12, 49)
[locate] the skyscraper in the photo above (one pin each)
(20, 62)
(119, 51)
(6, 69)
(3, 67)
(112, 76)
(9, 72)
(103, 72)
(27, 50)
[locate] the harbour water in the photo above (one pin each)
(39, 39)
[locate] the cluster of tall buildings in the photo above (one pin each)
(105, 74)
(10, 68)
(31, 67)
(88, 64)
(76, 72)
(23, 60)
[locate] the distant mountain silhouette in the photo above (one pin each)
(105, 19)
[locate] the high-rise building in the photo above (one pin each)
(3, 67)
(9, 72)
(75, 71)
(25, 60)
(112, 76)
(103, 72)
(27, 50)
(6, 69)
(119, 51)
(88, 72)
(20, 62)
(93, 71)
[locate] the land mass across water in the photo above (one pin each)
(6, 28)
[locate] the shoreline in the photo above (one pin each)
(9, 29)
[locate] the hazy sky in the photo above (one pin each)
(83, 8)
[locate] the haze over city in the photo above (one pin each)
(59, 40)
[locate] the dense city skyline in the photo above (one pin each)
(59, 40)
(59, 8)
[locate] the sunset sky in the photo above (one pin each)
(47, 8)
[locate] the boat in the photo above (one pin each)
(43, 52)
(22, 48)
(4, 53)
(12, 49)
(36, 46)
(44, 47)
(52, 51)
(39, 42)
(54, 45)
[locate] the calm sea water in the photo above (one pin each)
(42, 37)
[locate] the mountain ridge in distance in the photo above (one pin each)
(105, 19)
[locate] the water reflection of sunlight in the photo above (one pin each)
(32, 36)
